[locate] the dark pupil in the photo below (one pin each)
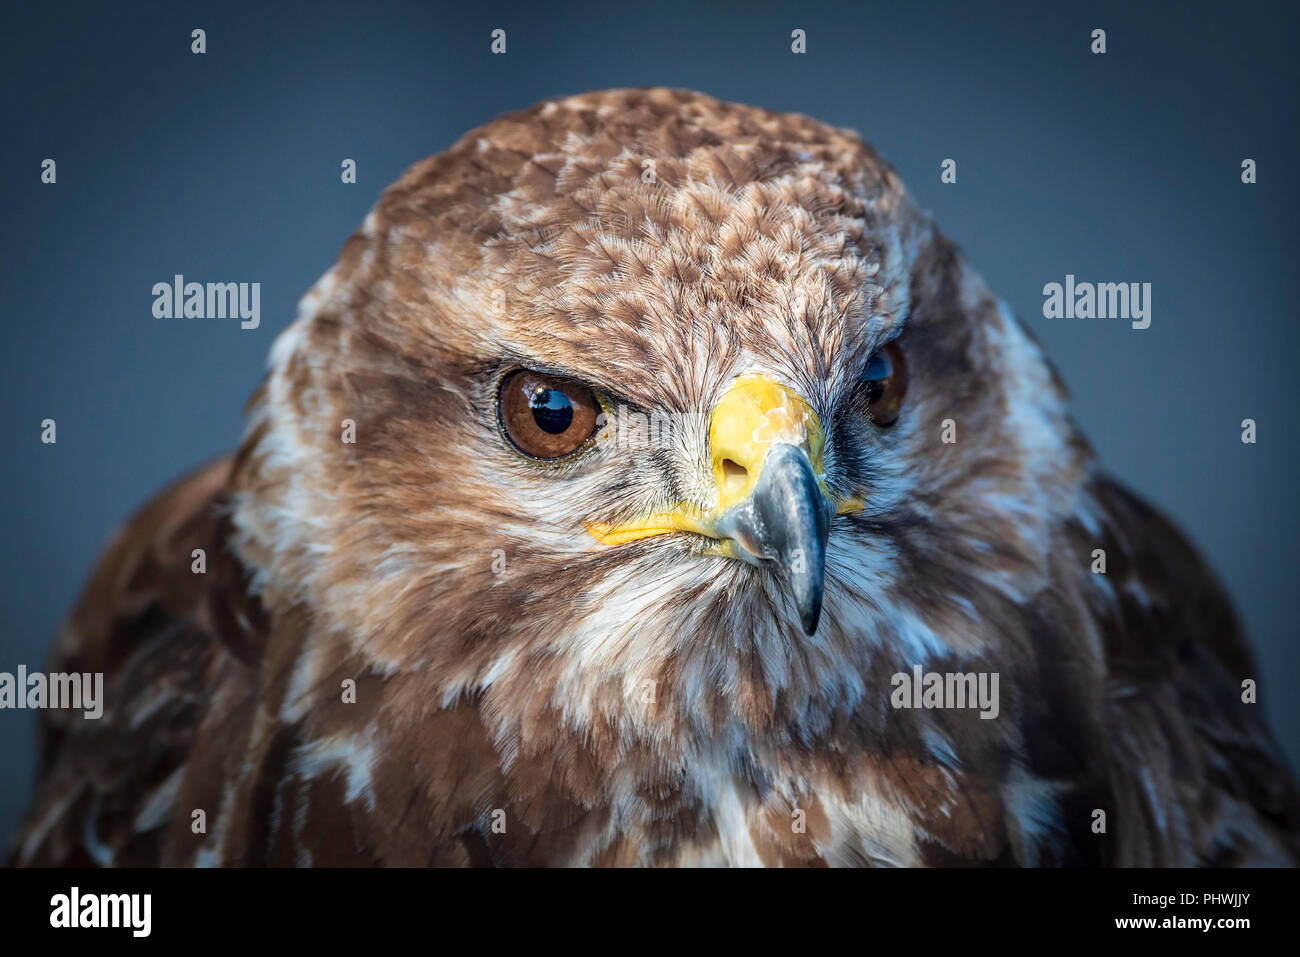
(552, 411)
(879, 368)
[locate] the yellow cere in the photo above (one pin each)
(755, 414)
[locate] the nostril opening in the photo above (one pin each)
(734, 475)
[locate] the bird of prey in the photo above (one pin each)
(599, 502)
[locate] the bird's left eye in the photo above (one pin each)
(885, 384)
(546, 416)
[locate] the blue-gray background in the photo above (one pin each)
(225, 167)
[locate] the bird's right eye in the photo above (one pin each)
(545, 416)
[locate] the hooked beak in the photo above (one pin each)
(773, 508)
(785, 521)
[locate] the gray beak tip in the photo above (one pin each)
(807, 590)
(791, 523)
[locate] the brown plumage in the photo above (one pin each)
(528, 692)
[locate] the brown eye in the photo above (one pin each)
(885, 380)
(546, 416)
